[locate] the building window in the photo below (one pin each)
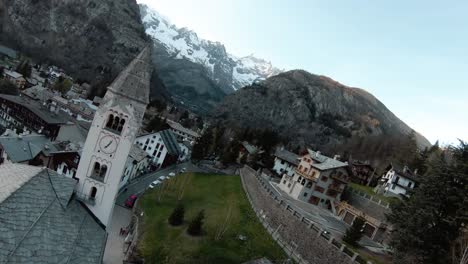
(299, 178)
(309, 185)
(284, 181)
(282, 162)
(65, 169)
(303, 182)
(409, 184)
(99, 171)
(300, 167)
(92, 193)
(159, 154)
(397, 179)
(305, 194)
(289, 185)
(319, 189)
(324, 178)
(115, 123)
(393, 186)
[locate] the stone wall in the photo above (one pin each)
(303, 241)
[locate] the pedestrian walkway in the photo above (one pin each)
(115, 247)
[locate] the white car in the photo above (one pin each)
(171, 174)
(162, 178)
(154, 184)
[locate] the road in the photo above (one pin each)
(324, 218)
(139, 185)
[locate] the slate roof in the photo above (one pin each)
(13, 74)
(170, 142)
(39, 93)
(42, 223)
(136, 153)
(20, 149)
(38, 110)
(133, 82)
(251, 149)
(179, 127)
(323, 162)
(288, 156)
(406, 173)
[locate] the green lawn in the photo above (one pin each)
(220, 196)
(370, 191)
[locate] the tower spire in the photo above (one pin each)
(133, 81)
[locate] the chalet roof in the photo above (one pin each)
(323, 162)
(25, 148)
(133, 82)
(37, 109)
(405, 172)
(13, 74)
(136, 153)
(170, 142)
(179, 127)
(39, 93)
(56, 227)
(288, 156)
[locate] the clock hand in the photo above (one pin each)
(108, 144)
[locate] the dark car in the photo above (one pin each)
(130, 202)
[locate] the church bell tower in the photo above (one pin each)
(111, 136)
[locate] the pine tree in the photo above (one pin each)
(177, 216)
(196, 225)
(354, 232)
(426, 224)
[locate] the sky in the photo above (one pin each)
(411, 55)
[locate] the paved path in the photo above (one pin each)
(115, 246)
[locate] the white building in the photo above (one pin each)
(111, 137)
(398, 182)
(162, 147)
(286, 162)
(318, 179)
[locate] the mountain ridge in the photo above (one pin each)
(311, 109)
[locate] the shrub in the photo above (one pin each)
(177, 216)
(196, 225)
(354, 232)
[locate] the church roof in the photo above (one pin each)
(134, 81)
(41, 222)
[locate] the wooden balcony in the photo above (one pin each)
(305, 175)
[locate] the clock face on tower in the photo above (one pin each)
(108, 144)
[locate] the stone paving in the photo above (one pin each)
(115, 247)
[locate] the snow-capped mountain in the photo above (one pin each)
(226, 70)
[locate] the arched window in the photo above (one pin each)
(92, 193)
(97, 168)
(103, 171)
(115, 125)
(110, 121)
(121, 125)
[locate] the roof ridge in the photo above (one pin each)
(76, 238)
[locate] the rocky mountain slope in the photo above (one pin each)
(92, 40)
(311, 109)
(198, 72)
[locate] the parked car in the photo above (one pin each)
(130, 202)
(171, 174)
(153, 184)
(162, 178)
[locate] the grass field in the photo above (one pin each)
(226, 208)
